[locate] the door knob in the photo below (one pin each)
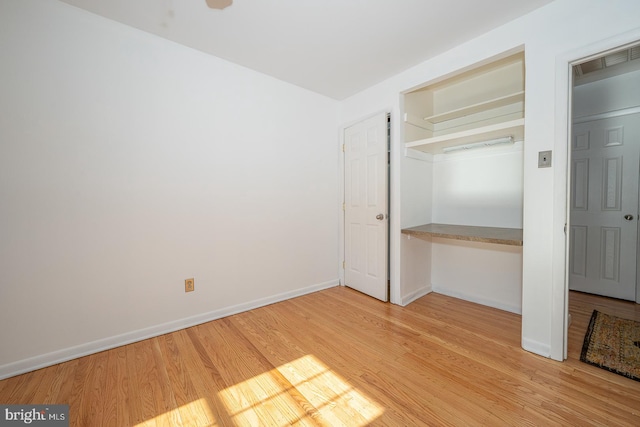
(628, 217)
(380, 217)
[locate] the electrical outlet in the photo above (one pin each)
(544, 159)
(189, 285)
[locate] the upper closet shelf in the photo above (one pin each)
(477, 108)
(434, 145)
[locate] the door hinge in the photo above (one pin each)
(343, 150)
(343, 265)
(344, 206)
(565, 228)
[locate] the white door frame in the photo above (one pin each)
(560, 269)
(394, 217)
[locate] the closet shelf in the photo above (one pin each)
(496, 235)
(514, 128)
(417, 121)
(477, 108)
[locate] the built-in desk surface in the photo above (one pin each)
(502, 236)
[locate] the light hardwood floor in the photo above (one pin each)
(337, 357)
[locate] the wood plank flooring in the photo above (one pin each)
(337, 357)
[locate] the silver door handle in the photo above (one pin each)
(380, 217)
(628, 217)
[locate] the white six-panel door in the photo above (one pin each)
(366, 216)
(604, 206)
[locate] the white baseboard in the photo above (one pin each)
(527, 344)
(500, 305)
(59, 356)
(536, 347)
(411, 297)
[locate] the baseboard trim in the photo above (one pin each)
(411, 297)
(536, 347)
(478, 300)
(59, 356)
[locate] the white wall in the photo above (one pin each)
(482, 187)
(415, 264)
(483, 273)
(551, 36)
(128, 164)
(613, 93)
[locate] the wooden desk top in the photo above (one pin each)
(502, 236)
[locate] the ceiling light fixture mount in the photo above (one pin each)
(218, 4)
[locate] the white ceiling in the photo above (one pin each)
(333, 47)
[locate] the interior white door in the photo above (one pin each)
(604, 206)
(366, 211)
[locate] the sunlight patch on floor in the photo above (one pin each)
(282, 396)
